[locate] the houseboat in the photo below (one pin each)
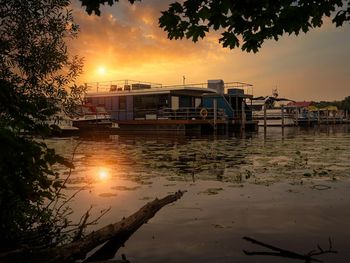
(149, 107)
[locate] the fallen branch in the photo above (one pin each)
(114, 234)
(309, 257)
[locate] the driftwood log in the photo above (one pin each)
(114, 236)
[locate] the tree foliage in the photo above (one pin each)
(93, 6)
(35, 72)
(342, 105)
(245, 23)
(345, 104)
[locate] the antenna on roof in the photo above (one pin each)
(275, 92)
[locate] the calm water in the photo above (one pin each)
(291, 191)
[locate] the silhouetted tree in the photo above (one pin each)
(35, 72)
(243, 22)
(345, 104)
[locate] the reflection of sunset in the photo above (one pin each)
(103, 173)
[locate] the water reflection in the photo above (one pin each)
(103, 173)
(226, 179)
(297, 155)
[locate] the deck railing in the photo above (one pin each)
(128, 85)
(192, 114)
(273, 115)
(169, 114)
(310, 117)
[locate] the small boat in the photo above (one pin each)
(276, 110)
(90, 118)
(62, 125)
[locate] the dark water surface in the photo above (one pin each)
(291, 191)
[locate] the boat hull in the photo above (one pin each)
(94, 126)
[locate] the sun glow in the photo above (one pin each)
(103, 174)
(101, 71)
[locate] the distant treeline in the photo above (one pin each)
(342, 105)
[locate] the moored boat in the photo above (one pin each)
(62, 125)
(90, 118)
(272, 111)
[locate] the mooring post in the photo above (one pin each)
(318, 117)
(327, 112)
(243, 121)
(265, 123)
(226, 127)
(282, 116)
(308, 118)
(215, 105)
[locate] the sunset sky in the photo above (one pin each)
(125, 42)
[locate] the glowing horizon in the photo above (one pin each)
(127, 42)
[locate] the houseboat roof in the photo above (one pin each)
(133, 88)
(301, 104)
(152, 91)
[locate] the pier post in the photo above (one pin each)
(308, 118)
(243, 116)
(265, 124)
(327, 112)
(318, 117)
(282, 116)
(215, 105)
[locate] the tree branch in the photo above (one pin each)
(287, 253)
(115, 235)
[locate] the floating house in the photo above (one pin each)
(151, 107)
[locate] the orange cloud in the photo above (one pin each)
(134, 44)
(127, 41)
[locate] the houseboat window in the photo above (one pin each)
(122, 103)
(198, 102)
(151, 102)
(174, 102)
(185, 102)
(163, 101)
